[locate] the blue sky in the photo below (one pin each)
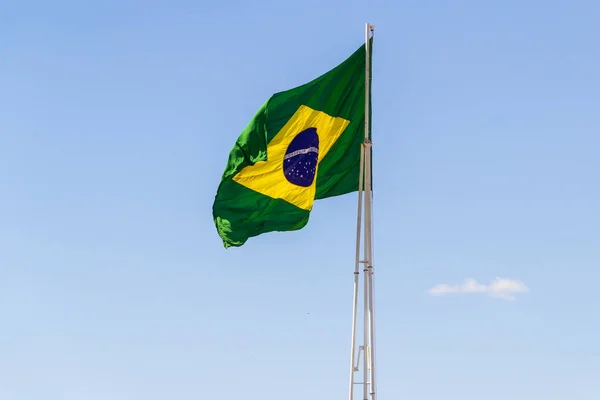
(116, 118)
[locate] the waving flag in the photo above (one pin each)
(303, 144)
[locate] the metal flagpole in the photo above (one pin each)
(368, 240)
(367, 350)
(356, 275)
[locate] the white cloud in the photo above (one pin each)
(500, 287)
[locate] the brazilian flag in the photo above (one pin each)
(303, 144)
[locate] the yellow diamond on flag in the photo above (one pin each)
(293, 156)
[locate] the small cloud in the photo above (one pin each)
(500, 287)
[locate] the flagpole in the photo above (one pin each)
(368, 239)
(356, 274)
(367, 350)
